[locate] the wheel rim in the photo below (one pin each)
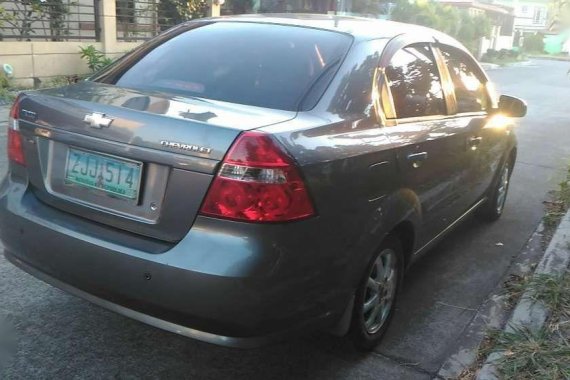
(380, 290)
(502, 190)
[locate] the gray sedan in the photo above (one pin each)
(238, 180)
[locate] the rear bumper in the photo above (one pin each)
(221, 340)
(224, 283)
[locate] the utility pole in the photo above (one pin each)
(215, 7)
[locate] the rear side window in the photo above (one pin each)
(468, 81)
(255, 64)
(415, 83)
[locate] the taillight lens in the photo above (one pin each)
(258, 182)
(15, 147)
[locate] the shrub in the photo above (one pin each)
(4, 83)
(534, 43)
(502, 56)
(96, 60)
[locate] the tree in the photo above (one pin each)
(172, 12)
(458, 23)
(560, 14)
(472, 29)
(427, 13)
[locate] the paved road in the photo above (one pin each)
(61, 336)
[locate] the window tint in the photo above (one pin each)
(256, 64)
(415, 83)
(470, 89)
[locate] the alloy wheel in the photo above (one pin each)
(502, 189)
(380, 290)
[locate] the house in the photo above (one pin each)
(502, 22)
(530, 15)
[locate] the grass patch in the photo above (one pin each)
(557, 207)
(544, 354)
(554, 292)
(532, 355)
(514, 287)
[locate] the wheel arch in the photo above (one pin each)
(512, 157)
(406, 233)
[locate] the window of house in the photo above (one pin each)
(415, 83)
(538, 17)
(468, 81)
(125, 11)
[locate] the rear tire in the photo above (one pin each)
(376, 295)
(495, 205)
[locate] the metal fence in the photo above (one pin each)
(138, 19)
(49, 20)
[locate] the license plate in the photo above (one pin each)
(111, 175)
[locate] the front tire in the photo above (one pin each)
(494, 207)
(376, 295)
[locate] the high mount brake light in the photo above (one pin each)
(258, 182)
(15, 147)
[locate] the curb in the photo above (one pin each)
(528, 313)
(494, 312)
(550, 58)
(494, 66)
(489, 66)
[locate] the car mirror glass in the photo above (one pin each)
(512, 106)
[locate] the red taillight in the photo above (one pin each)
(258, 182)
(15, 148)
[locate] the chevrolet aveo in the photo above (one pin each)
(236, 180)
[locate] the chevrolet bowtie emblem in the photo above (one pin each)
(97, 120)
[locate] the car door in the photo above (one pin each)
(430, 145)
(485, 138)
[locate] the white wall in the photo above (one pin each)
(46, 59)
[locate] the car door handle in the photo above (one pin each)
(422, 156)
(417, 158)
(474, 141)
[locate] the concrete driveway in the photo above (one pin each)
(64, 337)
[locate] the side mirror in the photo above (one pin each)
(511, 106)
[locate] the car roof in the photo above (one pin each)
(360, 28)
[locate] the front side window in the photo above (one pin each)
(263, 65)
(469, 83)
(415, 83)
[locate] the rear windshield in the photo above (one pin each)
(255, 64)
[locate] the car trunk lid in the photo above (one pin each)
(176, 141)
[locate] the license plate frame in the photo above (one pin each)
(69, 180)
